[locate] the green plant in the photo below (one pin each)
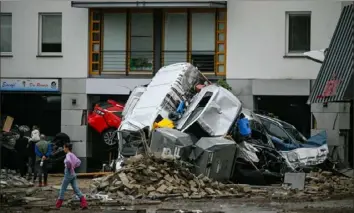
(223, 83)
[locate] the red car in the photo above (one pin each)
(105, 119)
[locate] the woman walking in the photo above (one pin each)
(71, 162)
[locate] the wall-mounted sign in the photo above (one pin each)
(30, 85)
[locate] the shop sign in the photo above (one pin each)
(30, 85)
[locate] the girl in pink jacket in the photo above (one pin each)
(71, 162)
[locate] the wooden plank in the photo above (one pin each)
(8, 124)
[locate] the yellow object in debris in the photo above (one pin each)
(164, 123)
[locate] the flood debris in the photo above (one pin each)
(181, 115)
(157, 178)
(9, 179)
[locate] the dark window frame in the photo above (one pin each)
(6, 53)
(293, 29)
(49, 49)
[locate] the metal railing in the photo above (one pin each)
(115, 61)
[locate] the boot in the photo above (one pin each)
(40, 184)
(59, 203)
(83, 203)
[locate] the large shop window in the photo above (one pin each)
(114, 42)
(175, 38)
(141, 42)
(203, 41)
(50, 33)
(6, 33)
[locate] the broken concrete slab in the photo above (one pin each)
(295, 180)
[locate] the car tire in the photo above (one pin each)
(109, 137)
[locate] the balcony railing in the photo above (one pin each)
(134, 62)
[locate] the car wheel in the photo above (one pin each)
(109, 137)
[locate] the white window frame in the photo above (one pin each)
(40, 16)
(7, 53)
(287, 25)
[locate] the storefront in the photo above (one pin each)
(33, 102)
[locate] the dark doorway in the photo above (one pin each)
(31, 109)
(291, 109)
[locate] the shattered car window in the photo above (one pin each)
(275, 130)
(296, 134)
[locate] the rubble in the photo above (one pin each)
(325, 182)
(10, 180)
(157, 178)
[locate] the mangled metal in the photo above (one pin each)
(212, 157)
(211, 103)
(181, 115)
(178, 143)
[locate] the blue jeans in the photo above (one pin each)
(69, 179)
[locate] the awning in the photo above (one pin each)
(335, 78)
(148, 4)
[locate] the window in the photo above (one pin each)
(203, 41)
(141, 42)
(114, 42)
(6, 33)
(298, 32)
(175, 38)
(50, 37)
(278, 132)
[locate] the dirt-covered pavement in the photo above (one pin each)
(46, 199)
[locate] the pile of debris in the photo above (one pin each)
(182, 113)
(325, 182)
(9, 179)
(157, 178)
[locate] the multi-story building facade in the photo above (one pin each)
(60, 57)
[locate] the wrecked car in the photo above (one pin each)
(296, 149)
(105, 119)
(171, 85)
(181, 115)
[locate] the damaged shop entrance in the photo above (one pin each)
(30, 102)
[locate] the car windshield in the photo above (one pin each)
(295, 133)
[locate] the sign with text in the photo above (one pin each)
(30, 85)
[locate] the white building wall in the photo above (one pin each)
(24, 63)
(256, 38)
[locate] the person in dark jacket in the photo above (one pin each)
(22, 153)
(244, 128)
(43, 152)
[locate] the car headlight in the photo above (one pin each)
(292, 157)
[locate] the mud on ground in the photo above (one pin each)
(342, 203)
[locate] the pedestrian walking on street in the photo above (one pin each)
(35, 137)
(71, 163)
(43, 151)
(22, 154)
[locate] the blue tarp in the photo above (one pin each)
(315, 141)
